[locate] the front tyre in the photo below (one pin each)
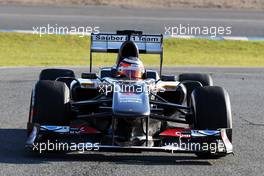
(212, 110)
(50, 104)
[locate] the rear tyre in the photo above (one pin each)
(50, 104)
(194, 80)
(212, 110)
(204, 79)
(52, 74)
(190, 87)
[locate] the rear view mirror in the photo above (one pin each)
(89, 76)
(168, 78)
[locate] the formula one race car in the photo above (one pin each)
(127, 107)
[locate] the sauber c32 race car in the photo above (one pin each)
(127, 107)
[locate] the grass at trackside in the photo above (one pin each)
(50, 50)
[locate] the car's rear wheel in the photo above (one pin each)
(194, 80)
(54, 73)
(50, 104)
(211, 110)
(204, 79)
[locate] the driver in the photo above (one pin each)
(130, 68)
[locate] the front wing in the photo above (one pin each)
(184, 140)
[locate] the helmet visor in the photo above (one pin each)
(131, 72)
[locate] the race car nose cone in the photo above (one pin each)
(130, 104)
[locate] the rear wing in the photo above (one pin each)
(111, 43)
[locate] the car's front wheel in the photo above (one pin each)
(211, 110)
(50, 104)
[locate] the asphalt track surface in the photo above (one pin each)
(245, 85)
(109, 19)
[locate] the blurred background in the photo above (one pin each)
(244, 20)
(237, 4)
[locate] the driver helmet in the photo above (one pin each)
(130, 68)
